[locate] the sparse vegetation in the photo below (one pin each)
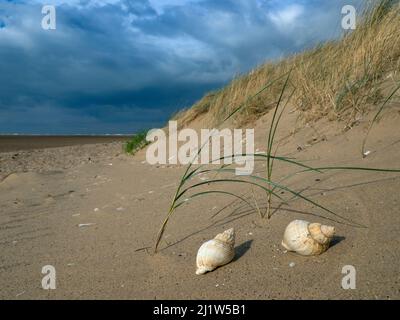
(137, 142)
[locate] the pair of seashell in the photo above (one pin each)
(300, 236)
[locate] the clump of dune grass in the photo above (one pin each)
(340, 80)
(137, 142)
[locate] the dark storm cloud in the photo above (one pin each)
(118, 66)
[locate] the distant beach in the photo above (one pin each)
(10, 143)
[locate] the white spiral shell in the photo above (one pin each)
(307, 238)
(216, 252)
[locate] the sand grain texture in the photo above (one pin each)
(45, 195)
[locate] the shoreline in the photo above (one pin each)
(41, 158)
(10, 143)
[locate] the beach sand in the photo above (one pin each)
(10, 143)
(91, 211)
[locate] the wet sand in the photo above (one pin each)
(21, 142)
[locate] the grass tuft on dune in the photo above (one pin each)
(137, 142)
(340, 80)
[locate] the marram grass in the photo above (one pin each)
(137, 142)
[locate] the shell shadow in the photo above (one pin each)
(241, 250)
(336, 239)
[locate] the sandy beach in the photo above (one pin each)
(10, 143)
(93, 212)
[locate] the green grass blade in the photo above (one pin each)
(358, 168)
(260, 155)
(162, 229)
(273, 125)
(212, 192)
(224, 180)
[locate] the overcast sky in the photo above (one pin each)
(118, 66)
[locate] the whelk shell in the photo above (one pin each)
(216, 252)
(307, 238)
